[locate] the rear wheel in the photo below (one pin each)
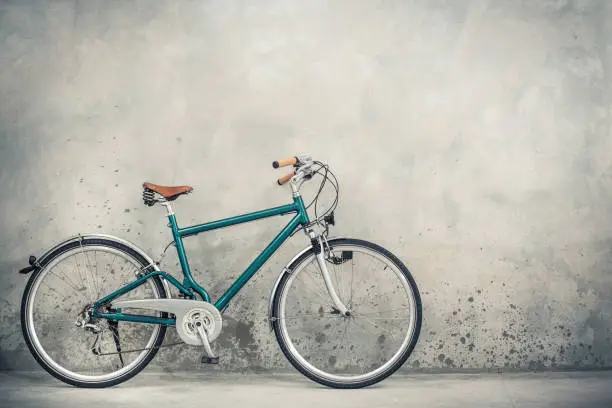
(348, 351)
(70, 346)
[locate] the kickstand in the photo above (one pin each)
(114, 327)
(95, 347)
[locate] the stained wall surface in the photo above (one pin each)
(471, 138)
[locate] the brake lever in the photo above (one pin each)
(303, 172)
(303, 159)
(305, 168)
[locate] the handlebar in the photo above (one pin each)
(285, 162)
(301, 164)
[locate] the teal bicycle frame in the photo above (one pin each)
(189, 285)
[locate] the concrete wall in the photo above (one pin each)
(471, 138)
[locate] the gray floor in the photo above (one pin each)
(586, 389)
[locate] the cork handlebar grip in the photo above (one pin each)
(285, 178)
(285, 162)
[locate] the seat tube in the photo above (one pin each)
(180, 250)
(178, 243)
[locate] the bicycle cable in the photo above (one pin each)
(325, 178)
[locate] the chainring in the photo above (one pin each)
(207, 315)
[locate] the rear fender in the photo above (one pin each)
(36, 262)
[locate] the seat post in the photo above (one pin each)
(169, 210)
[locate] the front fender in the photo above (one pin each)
(130, 244)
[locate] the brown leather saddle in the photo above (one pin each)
(170, 193)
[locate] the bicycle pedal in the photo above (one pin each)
(210, 360)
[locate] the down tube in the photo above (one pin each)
(258, 262)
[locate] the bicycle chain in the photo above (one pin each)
(142, 349)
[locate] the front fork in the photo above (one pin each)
(317, 245)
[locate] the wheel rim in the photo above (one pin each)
(359, 378)
(34, 335)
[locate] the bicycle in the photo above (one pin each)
(98, 306)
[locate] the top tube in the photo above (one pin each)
(296, 207)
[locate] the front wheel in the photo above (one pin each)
(348, 351)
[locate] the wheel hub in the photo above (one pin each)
(84, 318)
(347, 314)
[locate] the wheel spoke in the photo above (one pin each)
(384, 311)
(377, 326)
(341, 341)
(70, 281)
(322, 289)
(352, 278)
(86, 280)
(88, 268)
(315, 314)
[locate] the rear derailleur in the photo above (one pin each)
(92, 325)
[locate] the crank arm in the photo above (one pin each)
(206, 343)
